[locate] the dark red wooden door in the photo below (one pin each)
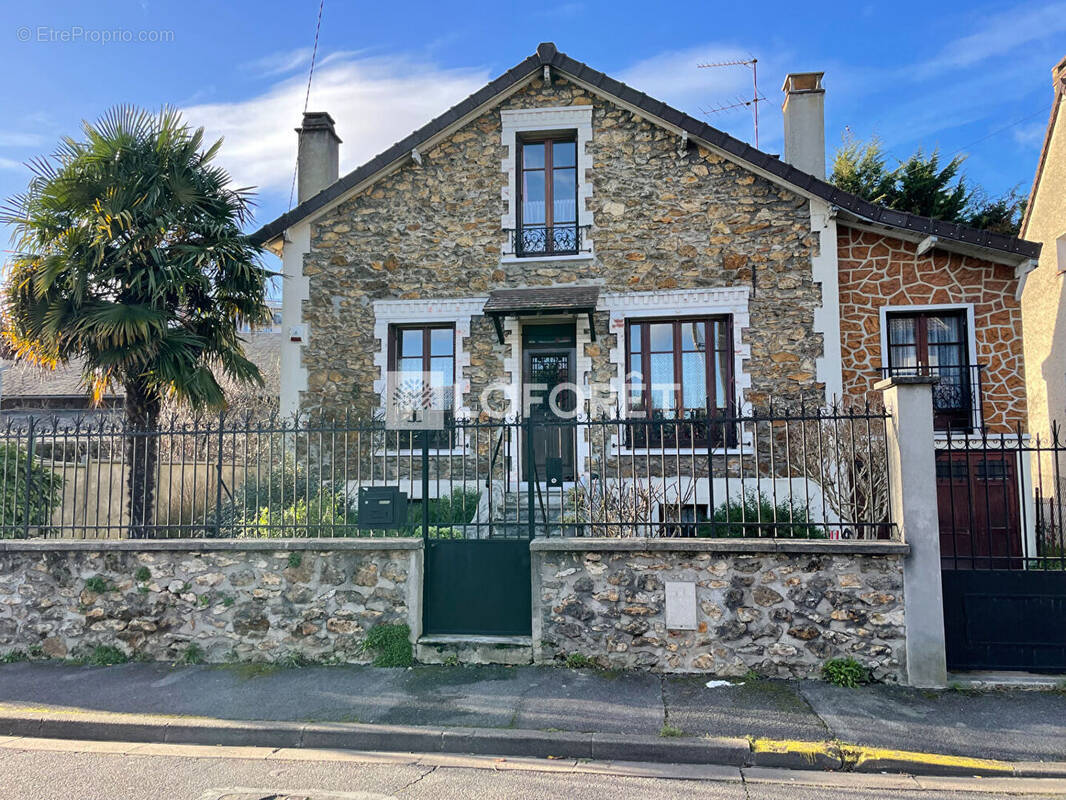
(980, 520)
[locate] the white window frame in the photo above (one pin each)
(971, 344)
(516, 121)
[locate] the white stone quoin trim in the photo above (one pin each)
(829, 367)
(295, 288)
(412, 312)
(529, 120)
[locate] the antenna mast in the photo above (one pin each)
(752, 64)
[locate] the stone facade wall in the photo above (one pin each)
(246, 602)
(778, 613)
(662, 221)
(877, 270)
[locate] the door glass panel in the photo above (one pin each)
(902, 330)
(441, 342)
(442, 365)
(533, 198)
(693, 336)
(635, 341)
(694, 380)
(943, 329)
(409, 364)
(411, 342)
(662, 380)
(721, 386)
(564, 154)
(533, 156)
(564, 194)
(662, 339)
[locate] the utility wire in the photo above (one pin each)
(998, 131)
(307, 94)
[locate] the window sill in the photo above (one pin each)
(511, 258)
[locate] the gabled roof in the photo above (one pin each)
(548, 55)
(1059, 83)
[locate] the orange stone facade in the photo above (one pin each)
(877, 270)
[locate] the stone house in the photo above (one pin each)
(558, 223)
(1044, 298)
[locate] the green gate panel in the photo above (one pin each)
(478, 587)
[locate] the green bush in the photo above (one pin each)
(456, 508)
(754, 516)
(287, 500)
(390, 644)
(845, 672)
(26, 499)
(143, 575)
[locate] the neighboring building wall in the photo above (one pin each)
(879, 270)
(781, 614)
(1044, 298)
(235, 600)
(663, 221)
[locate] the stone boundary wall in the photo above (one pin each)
(781, 608)
(235, 600)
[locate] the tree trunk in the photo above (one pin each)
(142, 449)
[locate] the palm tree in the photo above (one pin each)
(129, 257)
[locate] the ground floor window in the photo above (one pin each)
(427, 350)
(680, 370)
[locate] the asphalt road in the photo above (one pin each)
(59, 770)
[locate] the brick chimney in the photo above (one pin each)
(804, 111)
(316, 159)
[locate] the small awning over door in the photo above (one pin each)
(542, 300)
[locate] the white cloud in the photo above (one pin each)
(279, 63)
(999, 35)
(18, 139)
(375, 102)
(10, 163)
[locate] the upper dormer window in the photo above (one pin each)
(547, 194)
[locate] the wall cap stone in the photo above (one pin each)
(204, 545)
(819, 547)
(906, 380)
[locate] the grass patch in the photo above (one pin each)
(452, 660)
(294, 659)
(845, 672)
(390, 644)
(14, 657)
(143, 575)
(668, 731)
(97, 585)
(580, 661)
(194, 654)
(295, 560)
(105, 655)
(253, 669)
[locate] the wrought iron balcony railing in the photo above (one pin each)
(549, 240)
(957, 397)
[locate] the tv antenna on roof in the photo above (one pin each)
(752, 64)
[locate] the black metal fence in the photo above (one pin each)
(788, 474)
(1000, 499)
(958, 395)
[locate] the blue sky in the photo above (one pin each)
(968, 76)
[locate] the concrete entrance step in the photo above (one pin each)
(474, 649)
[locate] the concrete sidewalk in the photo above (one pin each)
(1009, 725)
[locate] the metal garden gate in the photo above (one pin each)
(1003, 560)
